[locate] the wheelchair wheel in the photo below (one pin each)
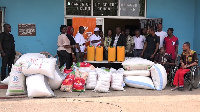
(195, 78)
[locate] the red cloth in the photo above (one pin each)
(179, 77)
(69, 30)
(170, 45)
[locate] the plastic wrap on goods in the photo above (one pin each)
(137, 64)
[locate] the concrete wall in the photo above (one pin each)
(197, 27)
(178, 14)
(48, 15)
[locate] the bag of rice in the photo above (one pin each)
(91, 81)
(37, 86)
(117, 82)
(16, 85)
(139, 82)
(30, 55)
(44, 66)
(137, 73)
(58, 79)
(137, 64)
(159, 76)
(103, 83)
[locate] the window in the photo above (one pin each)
(78, 7)
(113, 8)
(132, 8)
(105, 7)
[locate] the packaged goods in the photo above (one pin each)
(99, 53)
(67, 84)
(120, 53)
(82, 64)
(16, 85)
(159, 76)
(91, 81)
(103, 83)
(79, 84)
(58, 79)
(139, 82)
(137, 64)
(30, 55)
(37, 86)
(117, 82)
(111, 54)
(137, 73)
(44, 66)
(90, 53)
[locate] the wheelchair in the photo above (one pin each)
(192, 78)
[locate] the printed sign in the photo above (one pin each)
(26, 30)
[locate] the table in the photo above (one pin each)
(104, 61)
(106, 64)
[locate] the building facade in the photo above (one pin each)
(48, 15)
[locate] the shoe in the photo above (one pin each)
(180, 88)
(174, 89)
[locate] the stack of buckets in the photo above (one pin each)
(97, 54)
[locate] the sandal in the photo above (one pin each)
(174, 89)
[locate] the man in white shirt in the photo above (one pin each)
(80, 40)
(139, 43)
(161, 34)
(95, 39)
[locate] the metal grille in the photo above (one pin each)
(78, 7)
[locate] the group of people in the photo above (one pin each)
(158, 46)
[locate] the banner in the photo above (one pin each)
(89, 25)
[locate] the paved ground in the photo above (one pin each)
(131, 100)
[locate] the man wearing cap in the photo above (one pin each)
(95, 39)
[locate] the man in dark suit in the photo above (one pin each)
(118, 39)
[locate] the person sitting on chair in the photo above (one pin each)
(188, 60)
(164, 59)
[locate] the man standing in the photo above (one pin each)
(139, 43)
(7, 48)
(188, 60)
(80, 40)
(161, 34)
(118, 39)
(151, 45)
(171, 44)
(95, 39)
(129, 43)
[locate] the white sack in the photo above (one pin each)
(159, 76)
(137, 73)
(137, 64)
(117, 82)
(30, 55)
(5, 81)
(58, 79)
(139, 82)
(44, 66)
(91, 81)
(103, 83)
(37, 86)
(16, 85)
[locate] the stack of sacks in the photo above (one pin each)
(117, 82)
(103, 83)
(159, 76)
(137, 73)
(42, 75)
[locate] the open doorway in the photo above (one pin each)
(131, 24)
